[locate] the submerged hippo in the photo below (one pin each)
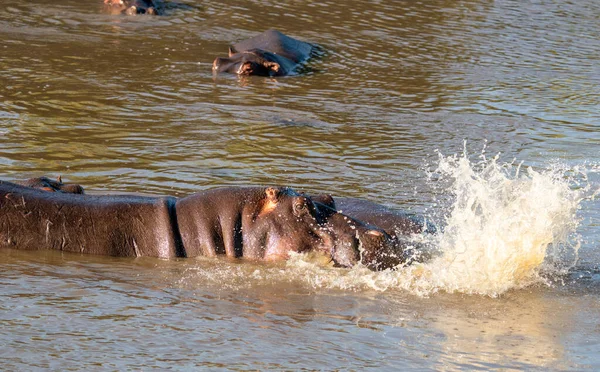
(131, 7)
(253, 222)
(268, 54)
(47, 184)
(397, 225)
(394, 222)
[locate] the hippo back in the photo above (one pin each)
(275, 42)
(115, 225)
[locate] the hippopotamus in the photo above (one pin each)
(256, 223)
(379, 232)
(397, 227)
(268, 54)
(131, 7)
(46, 184)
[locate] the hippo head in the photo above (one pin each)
(250, 62)
(355, 241)
(285, 221)
(131, 7)
(288, 221)
(47, 184)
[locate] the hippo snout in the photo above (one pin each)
(379, 251)
(358, 243)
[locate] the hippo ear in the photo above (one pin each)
(59, 179)
(272, 193)
(232, 51)
(270, 202)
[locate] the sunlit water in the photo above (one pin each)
(130, 104)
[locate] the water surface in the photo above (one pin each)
(130, 104)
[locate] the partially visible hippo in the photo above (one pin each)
(47, 184)
(377, 249)
(131, 7)
(397, 226)
(394, 222)
(268, 54)
(362, 231)
(255, 223)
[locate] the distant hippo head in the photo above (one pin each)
(131, 7)
(47, 184)
(251, 62)
(355, 241)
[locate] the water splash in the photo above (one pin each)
(505, 228)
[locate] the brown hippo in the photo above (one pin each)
(131, 7)
(268, 54)
(253, 222)
(375, 217)
(378, 231)
(46, 184)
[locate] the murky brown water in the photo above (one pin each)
(130, 104)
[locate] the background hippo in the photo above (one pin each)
(131, 7)
(47, 184)
(256, 223)
(268, 54)
(392, 221)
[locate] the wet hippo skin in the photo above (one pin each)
(131, 7)
(392, 221)
(255, 223)
(366, 232)
(117, 225)
(268, 54)
(398, 226)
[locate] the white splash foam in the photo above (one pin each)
(505, 226)
(505, 223)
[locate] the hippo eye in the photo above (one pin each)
(299, 207)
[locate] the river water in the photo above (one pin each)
(482, 115)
